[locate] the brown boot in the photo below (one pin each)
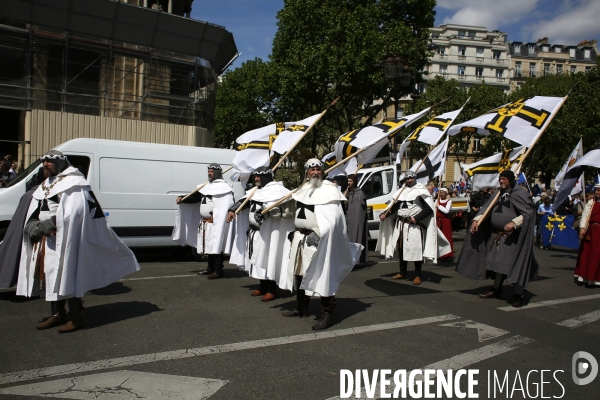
(257, 292)
(59, 312)
(398, 276)
(77, 313)
(268, 297)
(417, 281)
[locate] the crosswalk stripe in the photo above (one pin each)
(122, 362)
(581, 320)
(551, 302)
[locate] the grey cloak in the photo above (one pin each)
(357, 220)
(10, 250)
(485, 253)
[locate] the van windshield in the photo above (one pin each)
(25, 173)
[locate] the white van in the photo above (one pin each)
(136, 184)
(379, 185)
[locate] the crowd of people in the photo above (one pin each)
(307, 241)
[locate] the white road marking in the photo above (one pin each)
(581, 320)
(156, 277)
(122, 362)
(485, 332)
(464, 360)
(122, 385)
(551, 302)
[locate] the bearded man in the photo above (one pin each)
(502, 246)
(259, 240)
(320, 255)
(413, 232)
(588, 262)
(68, 245)
(206, 227)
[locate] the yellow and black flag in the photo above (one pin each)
(485, 173)
(521, 121)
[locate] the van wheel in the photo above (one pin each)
(195, 255)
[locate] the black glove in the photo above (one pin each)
(47, 227)
(312, 240)
(33, 231)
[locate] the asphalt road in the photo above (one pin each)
(165, 332)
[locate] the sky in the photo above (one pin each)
(567, 22)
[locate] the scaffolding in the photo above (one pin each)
(69, 73)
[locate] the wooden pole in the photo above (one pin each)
(201, 186)
(248, 197)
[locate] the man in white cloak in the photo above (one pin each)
(320, 255)
(259, 240)
(413, 231)
(67, 245)
(206, 227)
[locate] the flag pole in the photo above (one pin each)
(201, 186)
(527, 152)
(249, 195)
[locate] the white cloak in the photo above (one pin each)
(85, 253)
(335, 256)
(269, 241)
(427, 247)
(207, 238)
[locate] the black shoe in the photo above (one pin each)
(517, 301)
(214, 275)
(325, 321)
(292, 313)
(205, 272)
(490, 294)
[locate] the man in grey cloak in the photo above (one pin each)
(502, 246)
(357, 216)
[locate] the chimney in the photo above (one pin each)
(543, 40)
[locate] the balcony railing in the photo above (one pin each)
(479, 59)
(499, 60)
(462, 57)
(443, 56)
(462, 76)
(478, 77)
(500, 79)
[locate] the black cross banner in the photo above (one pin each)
(537, 118)
(439, 123)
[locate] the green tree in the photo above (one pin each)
(329, 48)
(578, 118)
(244, 102)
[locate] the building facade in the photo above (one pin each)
(140, 60)
(471, 55)
(532, 59)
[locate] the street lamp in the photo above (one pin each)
(397, 74)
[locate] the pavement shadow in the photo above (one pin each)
(507, 292)
(11, 295)
(391, 288)
(364, 265)
(105, 314)
(569, 256)
(112, 289)
(344, 307)
(281, 294)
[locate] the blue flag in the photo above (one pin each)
(558, 230)
(522, 179)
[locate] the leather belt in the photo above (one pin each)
(499, 236)
(208, 220)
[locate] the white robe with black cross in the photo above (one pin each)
(214, 237)
(259, 252)
(325, 266)
(84, 254)
(420, 242)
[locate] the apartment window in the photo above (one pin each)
(497, 54)
(586, 54)
(559, 68)
(499, 73)
(573, 69)
(517, 49)
(479, 71)
(461, 70)
(588, 69)
(471, 34)
(557, 50)
(461, 33)
(476, 145)
(441, 50)
(531, 50)
(462, 51)
(572, 53)
(400, 112)
(546, 48)
(443, 69)
(518, 70)
(546, 68)
(532, 69)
